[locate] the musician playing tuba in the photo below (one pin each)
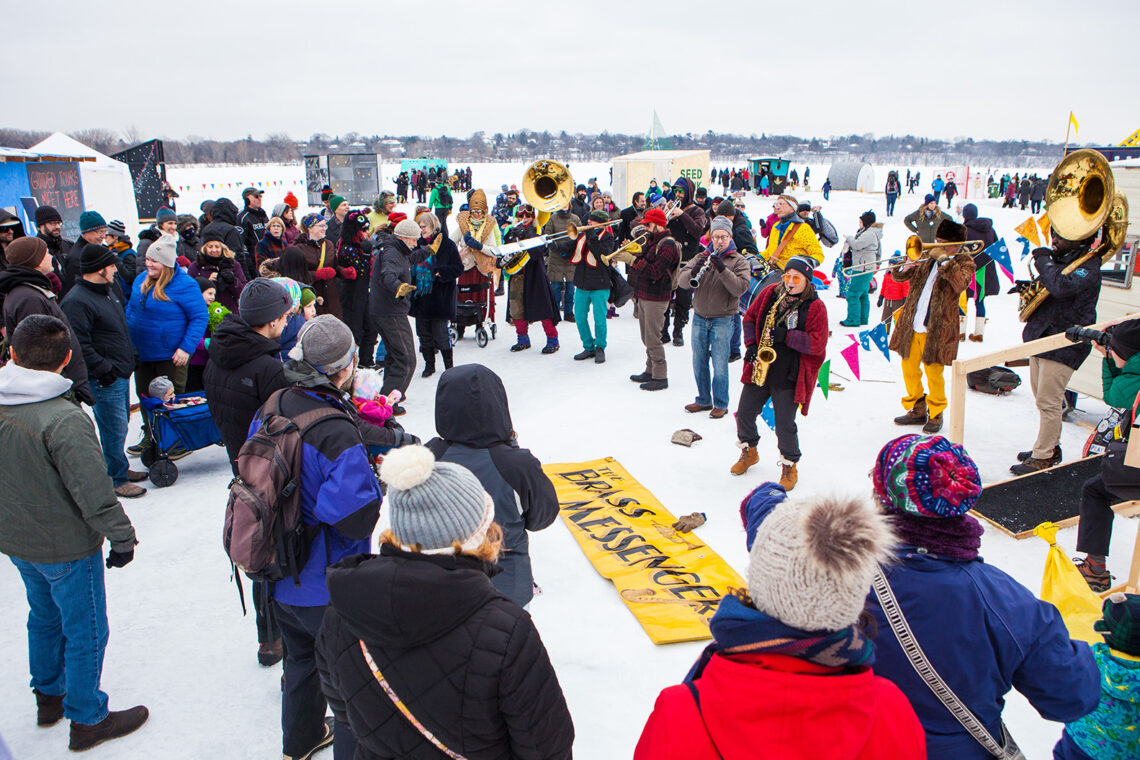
(1072, 301)
(926, 336)
(785, 338)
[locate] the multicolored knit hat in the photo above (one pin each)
(926, 476)
(1120, 624)
(309, 220)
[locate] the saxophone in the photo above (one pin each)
(766, 355)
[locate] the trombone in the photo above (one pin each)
(916, 250)
(572, 231)
(630, 249)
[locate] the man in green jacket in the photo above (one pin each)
(58, 506)
(1116, 481)
(441, 202)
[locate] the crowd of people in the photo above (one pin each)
(292, 314)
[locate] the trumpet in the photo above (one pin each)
(632, 248)
(916, 250)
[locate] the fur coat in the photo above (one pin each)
(942, 325)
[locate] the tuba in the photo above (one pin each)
(1081, 198)
(548, 186)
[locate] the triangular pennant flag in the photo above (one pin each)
(881, 339)
(1043, 223)
(980, 282)
(824, 377)
(1000, 254)
(1024, 247)
(865, 339)
(768, 414)
(851, 355)
(1028, 229)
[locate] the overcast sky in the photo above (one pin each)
(1005, 69)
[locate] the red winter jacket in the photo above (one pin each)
(810, 340)
(893, 290)
(782, 707)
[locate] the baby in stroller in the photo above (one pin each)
(162, 389)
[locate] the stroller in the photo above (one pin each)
(192, 427)
(474, 304)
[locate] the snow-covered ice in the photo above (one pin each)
(180, 645)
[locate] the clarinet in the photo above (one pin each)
(695, 280)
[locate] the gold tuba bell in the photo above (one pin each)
(548, 186)
(1080, 200)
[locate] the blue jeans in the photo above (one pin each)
(67, 632)
(584, 301)
(564, 295)
(112, 413)
(710, 342)
(858, 300)
(737, 333)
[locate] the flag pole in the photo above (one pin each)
(1068, 128)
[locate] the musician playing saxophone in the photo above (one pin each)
(785, 338)
(1072, 301)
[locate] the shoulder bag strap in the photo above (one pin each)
(697, 699)
(926, 671)
(403, 708)
(776, 254)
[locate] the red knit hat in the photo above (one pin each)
(655, 216)
(291, 200)
(396, 217)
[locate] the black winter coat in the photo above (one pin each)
(223, 223)
(446, 268)
(24, 292)
(58, 248)
(742, 237)
(530, 297)
(475, 430)
(98, 319)
(393, 265)
(596, 277)
(252, 222)
(1072, 301)
(467, 662)
(71, 267)
(983, 229)
(148, 236)
(242, 373)
(687, 228)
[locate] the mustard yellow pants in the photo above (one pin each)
(913, 368)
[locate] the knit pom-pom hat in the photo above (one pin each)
(927, 476)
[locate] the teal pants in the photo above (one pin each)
(586, 301)
(858, 300)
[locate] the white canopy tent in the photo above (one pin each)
(107, 184)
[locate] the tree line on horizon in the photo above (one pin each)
(527, 145)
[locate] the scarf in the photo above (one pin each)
(951, 537)
(792, 302)
(739, 628)
(423, 273)
(783, 224)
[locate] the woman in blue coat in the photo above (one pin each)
(983, 632)
(166, 317)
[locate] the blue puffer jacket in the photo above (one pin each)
(159, 328)
(339, 489)
(984, 633)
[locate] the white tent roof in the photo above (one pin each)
(59, 144)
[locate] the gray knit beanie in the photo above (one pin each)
(812, 562)
(324, 342)
(164, 251)
(159, 387)
(262, 300)
(720, 223)
(434, 505)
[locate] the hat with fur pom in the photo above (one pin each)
(812, 562)
(434, 505)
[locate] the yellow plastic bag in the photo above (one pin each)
(1063, 586)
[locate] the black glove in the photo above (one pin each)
(750, 354)
(779, 334)
(226, 277)
(404, 438)
(717, 261)
(107, 380)
(120, 559)
(471, 242)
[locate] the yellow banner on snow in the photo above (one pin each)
(672, 582)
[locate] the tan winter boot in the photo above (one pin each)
(916, 415)
(788, 474)
(748, 457)
(979, 329)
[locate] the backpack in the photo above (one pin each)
(827, 234)
(264, 535)
(444, 196)
(996, 381)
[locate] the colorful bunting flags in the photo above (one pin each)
(1043, 223)
(980, 282)
(1024, 247)
(1028, 230)
(851, 356)
(824, 377)
(768, 414)
(1000, 254)
(879, 337)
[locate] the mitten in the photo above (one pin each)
(717, 261)
(348, 273)
(183, 262)
(404, 288)
(226, 276)
(472, 243)
(325, 273)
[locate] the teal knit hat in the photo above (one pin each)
(89, 221)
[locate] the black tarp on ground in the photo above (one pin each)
(1020, 504)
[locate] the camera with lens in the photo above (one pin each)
(1086, 335)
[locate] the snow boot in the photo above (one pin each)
(324, 741)
(599, 356)
(933, 425)
(551, 346)
(788, 474)
(129, 491)
(585, 354)
(644, 377)
(270, 653)
(1096, 575)
(49, 708)
(694, 407)
(522, 344)
(979, 330)
(429, 363)
(1025, 456)
(748, 457)
(447, 357)
(612, 312)
(655, 384)
(916, 415)
(116, 724)
(678, 338)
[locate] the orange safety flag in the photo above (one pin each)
(1028, 230)
(671, 581)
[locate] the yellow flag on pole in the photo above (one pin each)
(1028, 230)
(1073, 121)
